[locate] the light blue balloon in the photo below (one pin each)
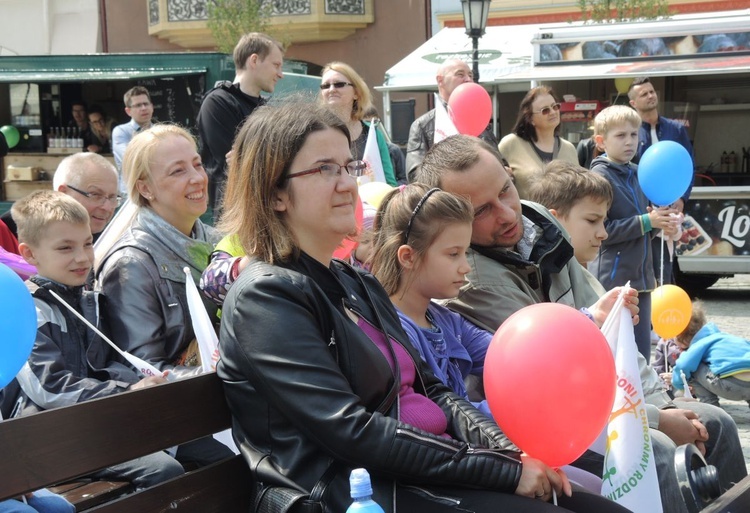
(17, 324)
(665, 172)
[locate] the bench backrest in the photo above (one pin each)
(65, 443)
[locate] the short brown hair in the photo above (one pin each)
(562, 185)
(454, 154)
(636, 82)
(697, 321)
(262, 153)
(135, 91)
(253, 43)
(35, 212)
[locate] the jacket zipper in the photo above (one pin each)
(614, 266)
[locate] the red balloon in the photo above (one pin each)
(349, 244)
(470, 108)
(549, 376)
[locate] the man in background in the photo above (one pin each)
(451, 74)
(655, 128)
(140, 109)
(258, 60)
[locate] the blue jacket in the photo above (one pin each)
(464, 351)
(725, 354)
(625, 255)
(666, 130)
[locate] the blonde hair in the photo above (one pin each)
(262, 153)
(364, 97)
(424, 214)
(615, 116)
(137, 160)
(697, 321)
(562, 185)
(35, 212)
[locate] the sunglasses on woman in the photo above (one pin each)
(336, 85)
(547, 110)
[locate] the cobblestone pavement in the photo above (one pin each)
(728, 305)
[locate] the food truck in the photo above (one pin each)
(700, 67)
(37, 94)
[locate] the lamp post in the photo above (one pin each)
(475, 20)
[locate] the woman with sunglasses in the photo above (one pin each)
(345, 92)
(317, 370)
(535, 139)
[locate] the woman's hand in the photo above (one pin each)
(538, 480)
(600, 310)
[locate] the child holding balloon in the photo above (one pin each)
(625, 256)
(419, 254)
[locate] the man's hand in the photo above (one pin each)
(683, 427)
(600, 310)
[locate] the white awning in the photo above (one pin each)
(503, 50)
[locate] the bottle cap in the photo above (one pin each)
(359, 483)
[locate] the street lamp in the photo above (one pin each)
(475, 20)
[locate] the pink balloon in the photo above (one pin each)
(348, 244)
(470, 108)
(549, 376)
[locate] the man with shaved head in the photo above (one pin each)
(451, 74)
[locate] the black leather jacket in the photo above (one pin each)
(304, 382)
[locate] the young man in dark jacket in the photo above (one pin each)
(258, 60)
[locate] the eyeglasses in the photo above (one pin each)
(547, 110)
(99, 121)
(141, 105)
(353, 168)
(336, 85)
(98, 199)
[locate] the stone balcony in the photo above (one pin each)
(183, 22)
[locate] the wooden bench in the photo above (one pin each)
(64, 444)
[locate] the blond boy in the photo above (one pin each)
(625, 256)
(70, 363)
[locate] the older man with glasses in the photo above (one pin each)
(91, 180)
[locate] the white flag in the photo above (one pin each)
(208, 342)
(444, 126)
(142, 366)
(629, 470)
(371, 155)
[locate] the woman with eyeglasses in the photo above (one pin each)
(345, 92)
(142, 273)
(317, 370)
(535, 139)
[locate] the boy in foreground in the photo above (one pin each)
(70, 363)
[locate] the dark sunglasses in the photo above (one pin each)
(336, 85)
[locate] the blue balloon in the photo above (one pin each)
(17, 324)
(665, 172)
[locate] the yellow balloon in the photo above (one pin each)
(671, 309)
(374, 192)
(623, 84)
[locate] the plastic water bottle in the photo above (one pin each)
(361, 492)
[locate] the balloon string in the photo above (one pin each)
(554, 497)
(661, 261)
